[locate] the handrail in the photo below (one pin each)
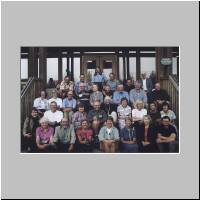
(174, 82)
(25, 89)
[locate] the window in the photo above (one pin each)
(174, 65)
(24, 68)
(132, 67)
(52, 68)
(121, 69)
(148, 64)
(76, 69)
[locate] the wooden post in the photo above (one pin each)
(158, 64)
(124, 65)
(128, 70)
(138, 66)
(72, 67)
(43, 64)
(60, 72)
(33, 62)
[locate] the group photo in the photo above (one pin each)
(99, 99)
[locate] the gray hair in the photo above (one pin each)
(44, 119)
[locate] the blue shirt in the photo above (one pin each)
(69, 103)
(117, 96)
(113, 84)
(99, 78)
(77, 86)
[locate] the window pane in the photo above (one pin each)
(24, 68)
(52, 68)
(148, 65)
(174, 65)
(121, 71)
(76, 69)
(132, 67)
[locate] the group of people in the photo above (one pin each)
(104, 115)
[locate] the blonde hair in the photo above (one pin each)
(149, 118)
(135, 104)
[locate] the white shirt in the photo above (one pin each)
(139, 113)
(57, 100)
(144, 83)
(53, 116)
(108, 130)
(40, 103)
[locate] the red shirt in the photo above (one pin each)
(84, 134)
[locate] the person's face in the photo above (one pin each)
(109, 123)
(96, 106)
(165, 122)
(111, 77)
(84, 125)
(137, 85)
(128, 123)
(120, 88)
(64, 122)
(97, 69)
(124, 103)
(44, 125)
(107, 101)
(82, 87)
(70, 95)
(43, 94)
(81, 109)
(66, 79)
(152, 107)
(129, 82)
(107, 89)
(34, 113)
(94, 88)
(82, 78)
(165, 108)
(53, 107)
(146, 121)
(140, 106)
(157, 86)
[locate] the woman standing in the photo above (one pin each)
(99, 78)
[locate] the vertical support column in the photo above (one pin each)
(158, 64)
(128, 69)
(43, 64)
(124, 65)
(60, 72)
(33, 62)
(67, 70)
(138, 65)
(72, 67)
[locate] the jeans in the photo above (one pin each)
(167, 147)
(129, 148)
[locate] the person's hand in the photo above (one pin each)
(28, 135)
(70, 148)
(145, 143)
(158, 140)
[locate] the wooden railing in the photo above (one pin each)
(172, 87)
(28, 94)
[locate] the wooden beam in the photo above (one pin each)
(124, 65)
(72, 68)
(42, 64)
(60, 72)
(128, 68)
(138, 65)
(33, 62)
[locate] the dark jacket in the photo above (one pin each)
(30, 125)
(151, 136)
(148, 83)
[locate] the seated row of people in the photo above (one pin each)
(98, 135)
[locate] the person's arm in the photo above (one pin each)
(40, 146)
(172, 137)
(101, 97)
(91, 100)
(131, 96)
(56, 135)
(74, 104)
(145, 98)
(72, 139)
(116, 134)
(127, 96)
(25, 128)
(101, 135)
